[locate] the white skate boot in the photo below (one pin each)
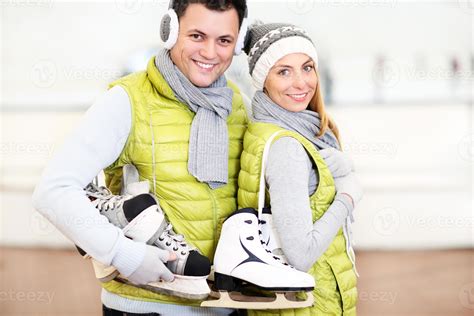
(142, 219)
(268, 236)
(241, 259)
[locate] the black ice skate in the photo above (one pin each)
(141, 219)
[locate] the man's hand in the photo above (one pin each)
(152, 268)
(339, 163)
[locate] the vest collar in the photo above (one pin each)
(159, 83)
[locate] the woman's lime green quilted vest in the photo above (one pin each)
(158, 146)
(335, 292)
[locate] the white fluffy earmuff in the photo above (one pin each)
(169, 29)
(242, 34)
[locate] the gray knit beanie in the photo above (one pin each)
(268, 43)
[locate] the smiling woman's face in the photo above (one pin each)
(292, 81)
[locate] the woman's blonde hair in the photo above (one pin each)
(316, 104)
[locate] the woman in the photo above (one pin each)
(311, 185)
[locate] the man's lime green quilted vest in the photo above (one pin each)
(335, 292)
(158, 146)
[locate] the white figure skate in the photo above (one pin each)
(249, 252)
(241, 260)
(142, 219)
(268, 235)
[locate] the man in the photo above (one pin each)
(181, 124)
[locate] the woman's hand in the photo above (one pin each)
(351, 186)
(339, 163)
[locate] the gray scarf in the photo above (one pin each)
(209, 142)
(306, 123)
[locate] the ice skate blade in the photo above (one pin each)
(238, 300)
(193, 288)
(103, 272)
(189, 287)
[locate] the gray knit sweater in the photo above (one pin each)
(291, 179)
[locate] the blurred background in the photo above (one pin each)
(398, 79)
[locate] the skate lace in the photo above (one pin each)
(276, 253)
(175, 241)
(103, 199)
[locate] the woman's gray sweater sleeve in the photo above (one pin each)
(287, 176)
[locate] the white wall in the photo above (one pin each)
(64, 53)
(415, 163)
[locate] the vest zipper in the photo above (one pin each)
(214, 217)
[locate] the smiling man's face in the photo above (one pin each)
(205, 44)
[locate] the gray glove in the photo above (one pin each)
(152, 268)
(338, 162)
(351, 186)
